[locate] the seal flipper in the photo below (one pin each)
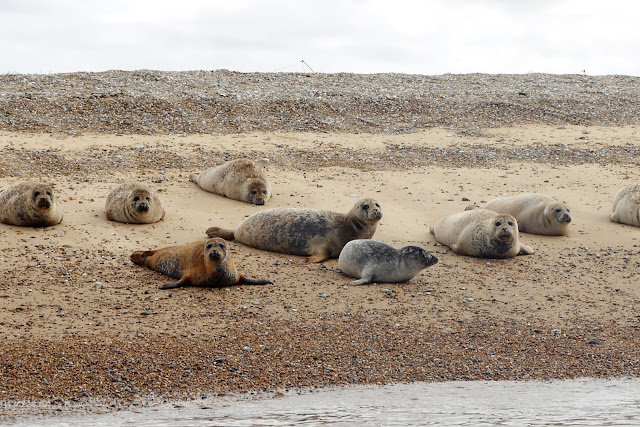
(366, 278)
(220, 232)
(243, 280)
(319, 256)
(179, 284)
(525, 250)
(140, 257)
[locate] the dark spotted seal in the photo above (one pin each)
(318, 234)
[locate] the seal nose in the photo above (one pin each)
(259, 201)
(44, 203)
(215, 254)
(143, 207)
(565, 218)
(433, 259)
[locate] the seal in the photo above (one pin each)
(239, 179)
(29, 204)
(626, 205)
(375, 261)
(536, 213)
(480, 233)
(133, 203)
(317, 234)
(205, 263)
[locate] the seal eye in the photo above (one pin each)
(498, 223)
(135, 199)
(558, 210)
(254, 192)
(264, 192)
(49, 194)
(365, 207)
(210, 245)
(511, 223)
(377, 205)
(36, 193)
(221, 245)
(148, 199)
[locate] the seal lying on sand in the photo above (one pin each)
(239, 179)
(626, 205)
(29, 204)
(318, 234)
(205, 263)
(375, 261)
(481, 233)
(133, 203)
(536, 213)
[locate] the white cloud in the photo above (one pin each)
(427, 37)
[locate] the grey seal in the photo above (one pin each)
(375, 261)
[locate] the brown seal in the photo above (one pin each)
(133, 203)
(481, 233)
(626, 205)
(239, 179)
(29, 204)
(318, 234)
(205, 263)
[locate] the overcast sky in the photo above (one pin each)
(360, 36)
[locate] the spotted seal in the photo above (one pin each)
(481, 233)
(239, 179)
(317, 234)
(29, 204)
(133, 203)
(375, 261)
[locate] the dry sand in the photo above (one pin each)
(81, 327)
(80, 323)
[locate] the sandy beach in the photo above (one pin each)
(80, 324)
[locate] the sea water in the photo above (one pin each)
(582, 402)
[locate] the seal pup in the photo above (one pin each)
(29, 204)
(480, 233)
(375, 261)
(133, 203)
(205, 263)
(626, 205)
(318, 234)
(536, 213)
(239, 179)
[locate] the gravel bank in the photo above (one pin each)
(154, 102)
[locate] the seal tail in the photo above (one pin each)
(194, 177)
(226, 234)
(140, 257)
